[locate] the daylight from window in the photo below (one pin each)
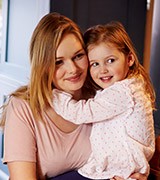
(0, 27)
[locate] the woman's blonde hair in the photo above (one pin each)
(115, 34)
(44, 43)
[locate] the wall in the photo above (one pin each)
(155, 60)
(131, 13)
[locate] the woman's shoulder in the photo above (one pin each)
(18, 106)
(17, 102)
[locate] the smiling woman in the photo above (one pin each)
(35, 136)
(71, 66)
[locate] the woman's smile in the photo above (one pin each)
(72, 65)
(75, 78)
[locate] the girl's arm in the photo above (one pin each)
(112, 101)
(22, 170)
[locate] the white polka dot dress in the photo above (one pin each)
(122, 136)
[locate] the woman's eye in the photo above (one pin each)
(110, 61)
(78, 56)
(59, 62)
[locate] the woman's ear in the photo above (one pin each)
(130, 59)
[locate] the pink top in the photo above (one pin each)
(55, 152)
(123, 142)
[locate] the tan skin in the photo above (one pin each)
(74, 63)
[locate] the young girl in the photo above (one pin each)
(122, 136)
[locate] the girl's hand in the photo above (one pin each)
(134, 176)
(117, 178)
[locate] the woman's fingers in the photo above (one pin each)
(139, 176)
(136, 176)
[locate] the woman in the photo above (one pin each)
(38, 144)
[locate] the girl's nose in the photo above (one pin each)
(103, 69)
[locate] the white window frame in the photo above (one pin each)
(9, 70)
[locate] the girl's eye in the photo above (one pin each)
(110, 61)
(59, 62)
(95, 64)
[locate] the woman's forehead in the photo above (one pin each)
(70, 44)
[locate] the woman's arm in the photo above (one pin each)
(22, 170)
(19, 141)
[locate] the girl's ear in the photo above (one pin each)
(130, 59)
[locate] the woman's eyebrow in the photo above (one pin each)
(59, 58)
(79, 51)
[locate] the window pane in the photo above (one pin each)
(0, 28)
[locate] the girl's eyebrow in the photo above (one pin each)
(106, 57)
(92, 61)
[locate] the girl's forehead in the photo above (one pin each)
(101, 44)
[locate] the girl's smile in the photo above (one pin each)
(107, 64)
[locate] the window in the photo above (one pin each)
(0, 26)
(18, 19)
(18, 22)
(3, 28)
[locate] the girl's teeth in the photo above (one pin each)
(105, 78)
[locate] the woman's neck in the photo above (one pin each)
(77, 95)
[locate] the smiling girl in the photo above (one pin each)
(122, 136)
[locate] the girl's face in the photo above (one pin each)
(108, 65)
(71, 65)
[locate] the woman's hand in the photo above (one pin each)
(136, 176)
(139, 176)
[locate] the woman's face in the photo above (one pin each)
(71, 65)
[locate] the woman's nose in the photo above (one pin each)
(72, 68)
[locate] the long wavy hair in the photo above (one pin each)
(115, 34)
(44, 43)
